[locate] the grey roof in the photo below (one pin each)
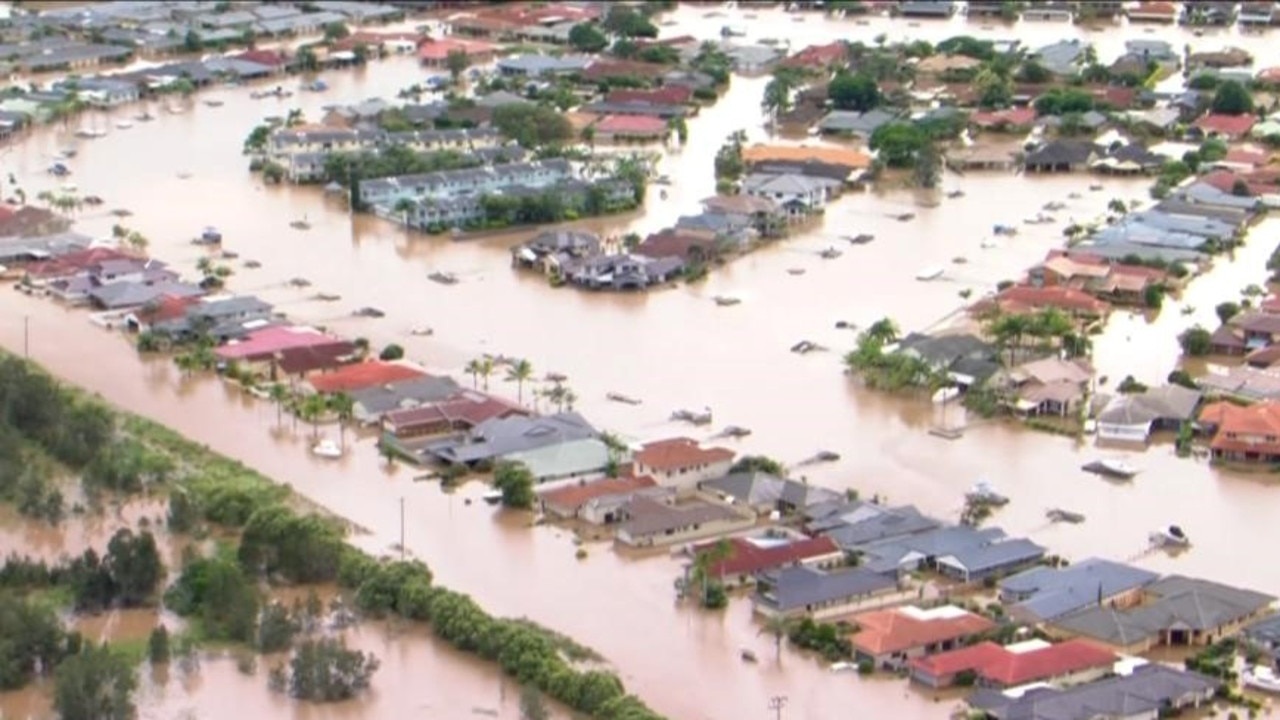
(749, 56)
(1187, 602)
(503, 436)
(1053, 592)
(636, 108)
(1143, 693)
(539, 64)
(53, 58)
(795, 587)
(1062, 152)
(863, 523)
(376, 401)
(1170, 402)
(1203, 192)
(40, 248)
(576, 457)
(549, 241)
(786, 184)
(760, 488)
(127, 294)
(1119, 248)
(1154, 49)
(229, 307)
(650, 517)
(927, 8)
(981, 559)
(1265, 631)
(1061, 57)
(359, 11)
(857, 123)
(943, 350)
(499, 98)
(1176, 205)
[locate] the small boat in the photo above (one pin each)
(1260, 677)
(989, 244)
(300, 225)
(842, 666)
(904, 217)
(734, 431)
(444, 278)
(316, 86)
(1074, 196)
(945, 395)
(829, 254)
(1067, 516)
(1054, 206)
(693, 417)
(985, 493)
(213, 103)
(124, 124)
(174, 109)
(328, 297)
(92, 200)
(930, 273)
(144, 117)
(228, 254)
(369, 312)
(726, 301)
(1038, 219)
(749, 657)
(326, 449)
(862, 239)
(555, 377)
(1007, 230)
(826, 456)
(955, 194)
(959, 260)
(252, 264)
(90, 133)
(620, 398)
(493, 497)
(209, 236)
(795, 271)
(59, 170)
(662, 194)
(1111, 468)
(1096, 187)
(805, 347)
(1173, 538)
(422, 332)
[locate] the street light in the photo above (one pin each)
(776, 703)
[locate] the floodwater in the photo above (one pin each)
(674, 348)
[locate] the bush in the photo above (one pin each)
(220, 595)
(1196, 342)
(325, 670)
(391, 352)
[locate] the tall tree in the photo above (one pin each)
(521, 371)
(95, 684)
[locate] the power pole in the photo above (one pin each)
(26, 336)
(776, 704)
(402, 528)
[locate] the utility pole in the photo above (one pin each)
(26, 336)
(776, 703)
(401, 528)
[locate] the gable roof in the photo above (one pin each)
(797, 586)
(1142, 693)
(679, 453)
(748, 556)
(1169, 402)
(761, 488)
(901, 629)
(1006, 667)
(362, 375)
(573, 497)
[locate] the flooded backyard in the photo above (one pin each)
(672, 348)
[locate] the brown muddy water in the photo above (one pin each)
(672, 349)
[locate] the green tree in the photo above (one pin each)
(759, 463)
(133, 564)
(777, 626)
(276, 628)
(1196, 342)
(777, 95)
(1232, 98)
(325, 670)
(1034, 73)
(31, 637)
(391, 352)
(457, 61)
(853, 91)
(520, 372)
(533, 126)
(586, 37)
(95, 684)
(220, 595)
(898, 143)
(404, 207)
(342, 405)
(300, 548)
(515, 481)
(279, 394)
(1226, 311)
(928, 167)
(335, 31)
(628, 22)
(158, 645)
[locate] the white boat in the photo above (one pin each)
(124, 124)
(843, 667)
(1111, 467)
(90, 133)
(930, 273)
(1260, 677)
(985, 492)
(989, 244)
(945, 395)
(493, 497)
(326, 448)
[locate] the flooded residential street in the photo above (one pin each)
(672, 348)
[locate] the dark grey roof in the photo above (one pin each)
(229, 307)
(503, 436)
(795, 587)
(636, 108)
(866, 523)
(1170, 402)
(760, 488)
(1143, 693)
(927, 8)
(376, 401)
(130, 294)
(1265, 631)
(943, 350)
(1062, 152)
(1047, 593)
(650, 517)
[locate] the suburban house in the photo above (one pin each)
(157, 312)
(818, 57)
(967, 359)
(221, 319)
(856, 124)
(1176, 611)
(1035, 661)
(1161, 12)
(856, 524)
(1246, 332)
(1064, 58)
(1020, 299)
(796, 194)
(800, 590)
(594, 501)
(651, 522)
(681, 462)
(891, 638)
(959, 552)
(630, 128)
(1148, 692)
(1048, 386)
(1249, 434)
(1043, 594)
(498, 437)
(369, 404)
(457, 414)
(569, 460)
(1096, 275)
(1132, 417)
(1227, 127)
(1061, 156)
(358, 376)
(767, 494)
(1264, 636)
(1243, 383)
(750, 556)
(434, 52)
(266, 346)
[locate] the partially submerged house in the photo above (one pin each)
(1147, 692)
(1249, 434)
(800, 591)
(1043, 594)
(767, 494)
(989, 665)
(595, 501)
(891, 638)
(491, 440)
(750, 556)
(650, 522)
(1049, 386)
(1133, 417)
(681, 462)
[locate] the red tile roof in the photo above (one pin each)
(439, 49)
(573, 497)
(1155, 8)
(1013, 116)
(305, 360)
(468, 408)
(1117, 96)
(669, 95)
(265, 343)
(270, 58)
(818, 55)
(168, 307)
(637, 125)
(747, 558)
(895, 630)
(1270, 305)
(363, 375)
(1228, 125)
(674, 242)
(1023, 298)
(1225, 181)
(74, 262)
(1269, 75)
(1243, 429)
(677, 453)
(1242, 156)
(999, 666)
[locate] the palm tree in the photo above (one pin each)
(344, 407)
(294, 118)
(204, 266)
(616, 447)
(311, 409)
(45, 197)
(486, 370)
(707, 560)
(570, 397)
(472, 368)
(137, 242)
(778, 626)
(883, 331)
(520, 371)
(279, 395)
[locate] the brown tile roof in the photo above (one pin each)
(847, 157)
(747, 558)
(571, 498)
(999, 666)
(468, 407)
(364, 375)
(895, 630)
(676, 453)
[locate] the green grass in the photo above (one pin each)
(57, 598)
